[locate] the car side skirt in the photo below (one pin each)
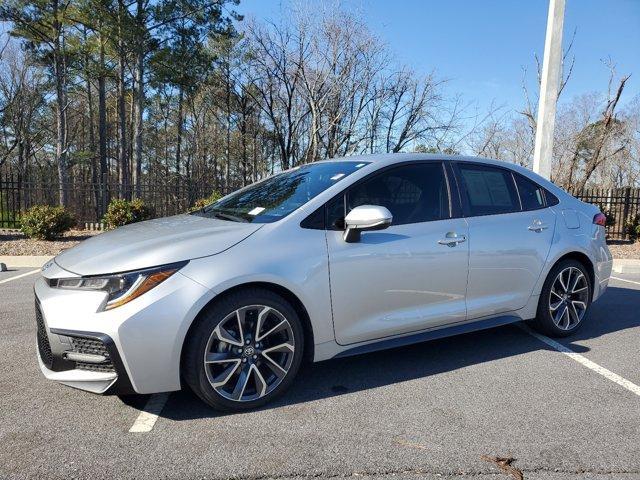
(424, 336)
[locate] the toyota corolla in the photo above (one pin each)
(325, 260)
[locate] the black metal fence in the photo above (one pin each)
(87, 201)
(175, 195)
(621, 205)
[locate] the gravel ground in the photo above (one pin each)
(15, 243)
(629, 250)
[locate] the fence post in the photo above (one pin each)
(104, 195)
(625, 212)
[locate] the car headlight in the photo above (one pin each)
(121, 288)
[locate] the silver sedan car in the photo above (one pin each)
(329, 259)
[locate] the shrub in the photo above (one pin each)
(632, 227)
(45, 222)
(7, 217)
(203, 202)
(122, 212)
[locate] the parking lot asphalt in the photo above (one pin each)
(433, 410)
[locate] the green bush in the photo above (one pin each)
(632, 227)
(7, 217)
(45, 222)
(122, 212)
(203, 202)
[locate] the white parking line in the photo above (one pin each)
(149, 415)
(608, 374)
(625, 280)
(19, 276)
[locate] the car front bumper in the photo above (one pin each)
(134, 348)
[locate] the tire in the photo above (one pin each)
(243, 370)
(565, 300)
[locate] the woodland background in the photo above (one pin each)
(172, 99)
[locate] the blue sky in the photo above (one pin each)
(483, 45)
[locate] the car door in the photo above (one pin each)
(510, 233)
(409, 277)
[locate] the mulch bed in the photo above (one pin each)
(625, 250)
(15, 243)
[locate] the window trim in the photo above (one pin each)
(455, 210)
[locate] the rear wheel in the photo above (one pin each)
(244, 351)
(565, 299)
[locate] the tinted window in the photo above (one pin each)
(489, 190)
(412, 193)
(335, 213)
(531, 194)
(277, 196)
(551, 198)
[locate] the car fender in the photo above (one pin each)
(298, 264)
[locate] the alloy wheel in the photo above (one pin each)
(249, 353)
(569, 298)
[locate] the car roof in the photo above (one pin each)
(391, 158)
(384, 159)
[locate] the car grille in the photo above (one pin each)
(95, 367)
(92, 346)
(44, 347)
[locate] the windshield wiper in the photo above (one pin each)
(233, 218)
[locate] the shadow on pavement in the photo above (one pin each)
(616, 311)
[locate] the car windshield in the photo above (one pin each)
(279, 195)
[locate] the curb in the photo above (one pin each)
(25, 261)
(626, 265)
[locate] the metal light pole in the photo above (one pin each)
(549, 85)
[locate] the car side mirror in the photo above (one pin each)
(365, 218)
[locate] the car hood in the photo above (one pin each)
(152, 243)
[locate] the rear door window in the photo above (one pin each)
(489, 190)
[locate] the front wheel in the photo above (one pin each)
(244, 351)
(565, 299)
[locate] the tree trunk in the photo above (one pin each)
(608, 117)
(123, 161)
(138, 125)
(139, 96)
(180, 125)
(227, 149)
(102, 133)
(61, 106)
(243, 136)
(254, 173)
(92, 139)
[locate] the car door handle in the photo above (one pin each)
(452, 240)
(538, 226)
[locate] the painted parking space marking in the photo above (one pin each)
(19, 276)
(149, 415)
(608, 374)
(625, 280)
